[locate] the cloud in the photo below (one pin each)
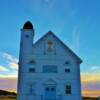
(14, 65)
(11, 60)
(95, 68)
(8, 84)
(75, 38)
(91, 93)
(92, 74)
(11, 65)
(9, 75)
(8, 72)
(9, 57)
(90, 80)
(4, 69)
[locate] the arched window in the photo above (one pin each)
(68, 89)
(32, 62)
(67, 65)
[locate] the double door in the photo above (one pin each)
(50, 93)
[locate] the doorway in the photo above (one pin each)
(50, 92)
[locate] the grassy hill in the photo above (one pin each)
(90, 98)
(6, 95)
(7, 98)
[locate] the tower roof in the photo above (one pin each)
(28, 25)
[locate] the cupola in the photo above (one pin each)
(28, 25)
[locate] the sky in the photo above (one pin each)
(75, 22)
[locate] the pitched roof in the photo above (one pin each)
(50, 32)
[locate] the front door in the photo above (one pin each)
(50, 93)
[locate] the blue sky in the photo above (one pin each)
(76, 22)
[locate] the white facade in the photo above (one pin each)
(48, 69)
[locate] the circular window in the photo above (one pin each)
(50, 42)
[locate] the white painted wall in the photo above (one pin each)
(38, 78)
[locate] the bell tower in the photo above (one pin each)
(26, 42)
(27, 35)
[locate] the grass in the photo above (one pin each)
(7, 98)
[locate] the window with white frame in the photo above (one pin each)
(31, 88)
(68, 89)
(32, 70)
(67, 65)
(67, 70)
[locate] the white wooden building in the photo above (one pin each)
(48, 69)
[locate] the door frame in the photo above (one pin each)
(50, 83)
